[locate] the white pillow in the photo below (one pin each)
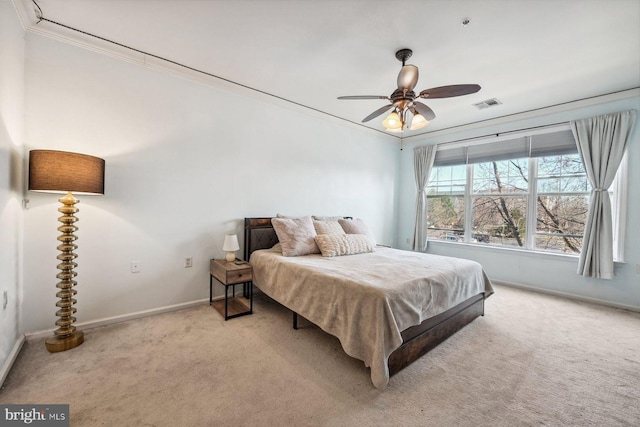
(343, 244)
(357, 226)
(288, 216)
(296, 236)
(327, 227)
(327, 218)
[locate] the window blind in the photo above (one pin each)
(536, 145)
(502, 150)
(451, 157)
(553, 144)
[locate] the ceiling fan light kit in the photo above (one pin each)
(418, 122)
(392, 121)
(403, 99)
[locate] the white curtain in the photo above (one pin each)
(601, 143)
(423, 158)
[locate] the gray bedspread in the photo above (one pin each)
(366, 300)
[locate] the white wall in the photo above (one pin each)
(185, 163)
(11, 135)
(545, 272)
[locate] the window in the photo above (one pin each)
(445, 213)
(499, 202)
(562, 203)
(529, 192)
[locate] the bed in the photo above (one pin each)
(387, 307)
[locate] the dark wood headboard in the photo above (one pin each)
(258, 234)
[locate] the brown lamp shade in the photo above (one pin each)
(60, 172)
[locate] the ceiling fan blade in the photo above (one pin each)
(408, 77)
(364, 97)
(449, 91)
(426, 112)
(377, 113)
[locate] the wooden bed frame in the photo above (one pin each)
(417, 340)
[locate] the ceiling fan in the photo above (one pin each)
(403, 99)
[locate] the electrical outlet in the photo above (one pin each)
(188, 262)
(5, 299)
(135, 266)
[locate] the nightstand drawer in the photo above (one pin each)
(229, 273)
(239, 276)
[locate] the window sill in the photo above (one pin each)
(513, 251)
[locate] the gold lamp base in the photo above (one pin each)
(56, 344)
(66, 336)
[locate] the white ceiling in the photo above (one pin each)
(529, 54)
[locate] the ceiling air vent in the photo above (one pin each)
(487, 103)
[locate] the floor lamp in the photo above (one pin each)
(63, 172)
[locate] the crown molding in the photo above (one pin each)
(29, 20)
(25, 12)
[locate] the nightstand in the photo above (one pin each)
(232, 273)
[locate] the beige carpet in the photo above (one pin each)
(532, 360)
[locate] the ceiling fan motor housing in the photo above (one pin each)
(400, 95)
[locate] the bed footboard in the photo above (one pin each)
(422, 338)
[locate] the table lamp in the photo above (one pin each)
(230, 246)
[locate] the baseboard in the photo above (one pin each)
(567, 295)
(11, 359)
(122, 318)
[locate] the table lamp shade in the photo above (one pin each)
(230, 243)
(61, 172)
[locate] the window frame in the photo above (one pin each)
(534, 162)
(617, 192)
